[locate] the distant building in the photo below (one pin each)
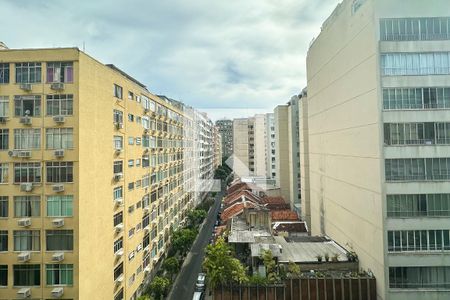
(225, 128)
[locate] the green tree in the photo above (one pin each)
(220, 173)
(159, 287)
(145, 297)
(221, 266)
(171, 265)
(271, 266)
(293, 270)
(196, 217)
(182, 240)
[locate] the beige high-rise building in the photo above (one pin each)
(378, 123)
(282, 178)
(260, 145)
(243, 146)
(92, 177)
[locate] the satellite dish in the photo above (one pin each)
(10, 153)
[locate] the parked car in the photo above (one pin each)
(200, 285)
(198, 296)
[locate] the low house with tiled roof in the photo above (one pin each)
(284, 215)
(240, 197)
(290, 228)
(275, 203)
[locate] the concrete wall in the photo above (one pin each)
(282, 150)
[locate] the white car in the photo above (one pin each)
(200, 285)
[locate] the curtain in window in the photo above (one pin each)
(27, 206)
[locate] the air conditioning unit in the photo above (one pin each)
(24, 256)
(26, 187)
(25, 120)
(146, 110)
(57, 257)
(3, 120)
(118, 150)
(24, 293)
(24, 154)
(59, 153)
(25, 222)
(146, 209)
(118, 201)
(119, 279)
(119, 227)
(147, 228)
(147, 248)
(119, 125)
(26, 87)
(13, 153)
(119, 253)
(59, 119)
(57, 292)
(118, 176)
(57, 86)
(58, 222)
(147, 269)
(146, 131)
(58, 188)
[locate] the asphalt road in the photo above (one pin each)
(183, 288)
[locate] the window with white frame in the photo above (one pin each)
(59, 274)
(59, 105)
(417, 169)
(423, 277)
(118, 218)
(130, 163)
(60, 72)
(146, 122)
(4, 106)
(60, 206)
(4, 178)
(4, 139)
(118, 142)
(118, 117)
(118, 245)
(418, 205)
(27, 172)
(416, 98)
(4, 73)
(418, 240)
(415, 29)
(29, 105)
(27, 138)
(28, 72)
(60, 171)
(27, 206)
(59, 138)
(27, 240)
(118, 167)
(118, 193)
(427, 63)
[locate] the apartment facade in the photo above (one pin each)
(282, 178)
(243, 146)
(378, 113)
(294, 153)
(260, 142)
(226, 132)
(92, 177)
(270, 147)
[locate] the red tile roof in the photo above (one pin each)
(237, 197)
(283, 215)
(234, 210)
(290, 227)
(275, 203)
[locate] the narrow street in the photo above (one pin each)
(183, 288)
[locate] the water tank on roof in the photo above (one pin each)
(3, 46)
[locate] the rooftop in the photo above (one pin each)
(283, 215)
(290, 226)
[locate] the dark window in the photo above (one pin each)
(119, 295)
(4, 206)
(118, 167)
(4, 73)
(3, 275)
(59, 172)
(4, 139)
(118, 271)
(118, 218)
(3, 240)
(59, 240)
(27, 275)
(118, 91)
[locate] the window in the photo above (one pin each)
(27, 138)
(27, 240)
(416, 133)
(417, 169)
(131, 117)
(27, 105)
(131, 186)
(4, 172)
(118, 244)
(4, 206)
(119, 295)
(27, 275)
(27, 206)
(60, 72)
(418, 240)
(419, 277)
(118, 91)
(138, 141)
(118, 142)
(4, 106)
(3, 240)
(432, 63)
(60, 206)
(416, 98)
(118, 219)
(59, 138)
(130, 140)
(130, 232)
(118, 193)
(418, 205)
(59, 274)
(28, 72)
(59, 171)
(59, 105)
(59, 240)
(118, 271)
(415, 29)
(4, 139)
(118, 117)
(27, 172)
(118, 167)
(130, 163)
(130, 95)
(4, 72)
(3, 275)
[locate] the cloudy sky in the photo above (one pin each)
(228, 57)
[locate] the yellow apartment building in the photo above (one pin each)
(91, 177)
